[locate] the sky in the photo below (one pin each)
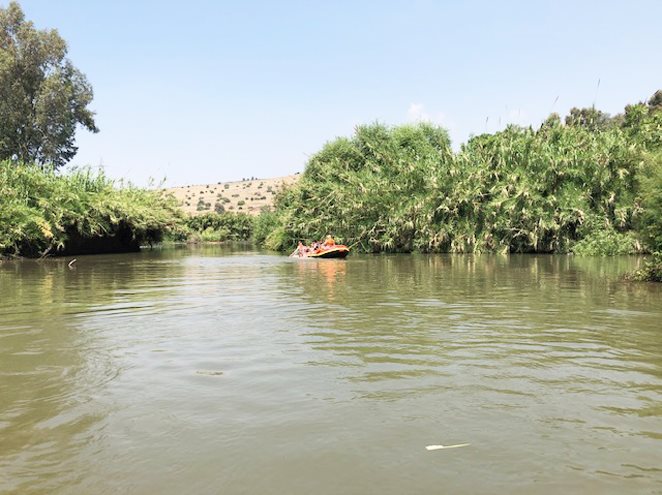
(212, 91)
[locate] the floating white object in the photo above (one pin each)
(209, 372)
(439, 447)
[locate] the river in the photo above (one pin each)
(218, 370)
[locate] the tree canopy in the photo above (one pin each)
(43, 97)
(590, 118)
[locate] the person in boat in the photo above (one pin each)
(301, 249)
(329, 242)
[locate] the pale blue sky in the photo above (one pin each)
(209, 91)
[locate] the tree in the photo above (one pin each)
(551, 122)
(43, 97)
(589, 118)
(655, 101)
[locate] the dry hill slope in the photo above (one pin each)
(246, 196)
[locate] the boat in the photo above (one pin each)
(335, 251)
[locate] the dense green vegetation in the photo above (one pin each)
(585, 186)
(217, 227)
(590, 185)
(650, 272)
(42, 212)
(650, 183)
(228, 227)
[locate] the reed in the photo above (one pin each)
(556, 189)
(43, 212)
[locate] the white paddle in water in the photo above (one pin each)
(440, 447)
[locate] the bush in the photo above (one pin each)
(44, 212)
(607, 243)
(263, 225)
(374, 188)
(651, 271)
(651, 201)
(234, 226)
(557, 189)
(214, 235)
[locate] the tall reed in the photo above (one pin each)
(43, 212)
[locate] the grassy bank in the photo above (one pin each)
(44, 213)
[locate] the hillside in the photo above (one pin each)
(246, 196)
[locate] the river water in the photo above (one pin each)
(213, 370)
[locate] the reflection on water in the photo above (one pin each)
(213, 370)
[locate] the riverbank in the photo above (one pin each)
(589, 186)
(44, 213)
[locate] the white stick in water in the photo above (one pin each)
(439, 447)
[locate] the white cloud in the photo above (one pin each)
(418, 113)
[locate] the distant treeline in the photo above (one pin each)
(226, 227)
(589, 185)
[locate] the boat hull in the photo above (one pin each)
(336, 252)
(339, 251)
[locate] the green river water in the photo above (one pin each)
(221, 371)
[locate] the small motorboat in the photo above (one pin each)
(335, 251)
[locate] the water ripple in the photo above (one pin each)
(176, 371)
